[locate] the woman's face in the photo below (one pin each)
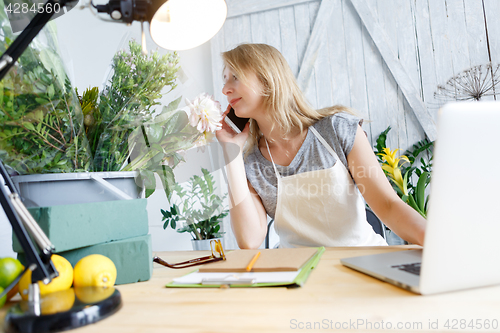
(246, 100)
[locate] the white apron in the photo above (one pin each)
(322, 208)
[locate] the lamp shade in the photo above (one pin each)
(184, 24)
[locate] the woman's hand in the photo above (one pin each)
(227, 135)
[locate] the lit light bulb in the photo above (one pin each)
(184, 24)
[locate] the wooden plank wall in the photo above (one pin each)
(433, 39)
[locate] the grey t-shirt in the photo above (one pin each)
(338, 130)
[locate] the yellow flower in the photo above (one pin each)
(391, 167)
(390, 157)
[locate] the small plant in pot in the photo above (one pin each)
(199, 210)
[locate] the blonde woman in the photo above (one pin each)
(305, 168)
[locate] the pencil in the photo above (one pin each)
(252, 262)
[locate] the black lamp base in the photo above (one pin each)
(64, 310)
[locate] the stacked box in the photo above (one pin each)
(116, 229)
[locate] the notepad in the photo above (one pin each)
(280, 267)
(237, 278)
(270, 260)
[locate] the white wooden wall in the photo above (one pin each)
(384, 58)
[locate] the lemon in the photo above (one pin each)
(95, 270)
(58, 301)
(92, 295)
(62, 282)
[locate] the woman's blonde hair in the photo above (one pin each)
(282, 96)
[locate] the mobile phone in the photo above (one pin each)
(235, 122)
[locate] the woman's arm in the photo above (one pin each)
(380, 195)
(248, 215)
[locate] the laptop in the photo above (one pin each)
(462, 237)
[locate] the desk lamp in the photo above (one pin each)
(174, 25)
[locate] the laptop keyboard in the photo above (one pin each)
(410, 268)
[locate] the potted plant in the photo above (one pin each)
(408, 175)
(200, 210)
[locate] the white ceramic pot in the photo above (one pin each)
(203, 244)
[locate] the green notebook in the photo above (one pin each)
(197, 279)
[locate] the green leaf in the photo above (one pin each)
(176, 123)
(52, 62)
(147, 178)
(166, 214)
(209, 179)
(381, 140)
(51, 91)
(29, 126)
(173, 224)
(175, 209)
(420, 190)
(167, 178)
(413, 204)
(154, 133)
(41, 100)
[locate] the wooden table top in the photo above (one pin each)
(334, 298)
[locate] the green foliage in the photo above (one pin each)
(417, 174)
(41, 123)
(379, 147)
(157, 144)
(128, 102)
(120, 123)
(46, 127)
(204, 222)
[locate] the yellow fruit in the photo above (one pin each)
(58, 301)
(95, 270)
(62, 282)
(91, 295)
(10, 268)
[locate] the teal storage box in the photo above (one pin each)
(74, 226)
(133, 257)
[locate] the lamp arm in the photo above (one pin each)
(22, 42)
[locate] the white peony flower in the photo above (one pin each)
(205, 114)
